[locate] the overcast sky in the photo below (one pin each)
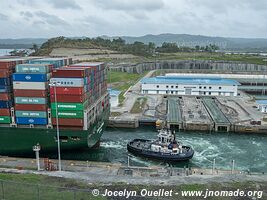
(49, 18)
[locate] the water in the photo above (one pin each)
(4, 52)
(248, 150)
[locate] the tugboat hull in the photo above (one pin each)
(167, 157)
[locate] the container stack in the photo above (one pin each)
(6, 71)
(30, 84)
(98, 83)
(97, 80)
(69, 95)
(56, 62)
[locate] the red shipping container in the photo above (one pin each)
(67, 90)
(5, 97)
(68, 122)
(4, 73)
(69, 98)
(68, 73)
(88, 69)
(31, 107)
(30, 93)
(4, 112)
(7, 64)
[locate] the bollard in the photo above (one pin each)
(233, 166)
(213, 166)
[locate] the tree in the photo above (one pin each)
(34, 47)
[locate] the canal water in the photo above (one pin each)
(248, 150)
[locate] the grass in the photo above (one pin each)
(122, 81)
(115, 114)
(139, 105)
(30, 186)
(252, 59)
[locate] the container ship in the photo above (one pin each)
(37, 95)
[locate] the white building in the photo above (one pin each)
(114, 97)
(176, 85)
(262, 105)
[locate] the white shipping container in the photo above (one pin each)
(69, 82)
(17, 85)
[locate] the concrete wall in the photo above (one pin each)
(192, 66)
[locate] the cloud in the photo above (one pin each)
(46, 18)
(3, 17)
(26, 15)
(148, 5)
(65, 4)
(51, 19)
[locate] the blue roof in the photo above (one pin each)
(189, 80)
(261, 102)
(113, 92)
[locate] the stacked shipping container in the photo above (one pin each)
(78, 87)
(56, 62)
(6, 102)
(98, 83)
(97, 88)
(30, 84)
(69, 95)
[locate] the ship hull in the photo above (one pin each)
(166, 157)
(20, 141)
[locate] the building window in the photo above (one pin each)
(172, 86)
(167, 86)
(176, 86)
(220, 88)
(200, 87)
(210, 87)
(172, 92)
(157, 92)
(209, 93)
(157, 86)
(166, 92)
(204, 93)
(176, 92)
(205, 87)
(220, 93)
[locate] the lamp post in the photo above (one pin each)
(58, 140)
(36, 149)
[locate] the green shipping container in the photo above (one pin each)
(31, 114)
(68, 114)
(30, 100)
(69, 106)
(5, 120)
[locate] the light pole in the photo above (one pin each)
(58, 141)
(36, 149)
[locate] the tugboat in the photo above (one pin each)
(165, 148)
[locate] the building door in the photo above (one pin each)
(188, 91)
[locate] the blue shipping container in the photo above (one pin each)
(5, 104)
(29, 120)
(30, 77)
(5, 81)
(5, 89)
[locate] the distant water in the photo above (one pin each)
(248, 150)
(4, 52)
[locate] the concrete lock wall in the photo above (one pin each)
(192, 65)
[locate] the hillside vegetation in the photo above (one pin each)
(119, 45)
